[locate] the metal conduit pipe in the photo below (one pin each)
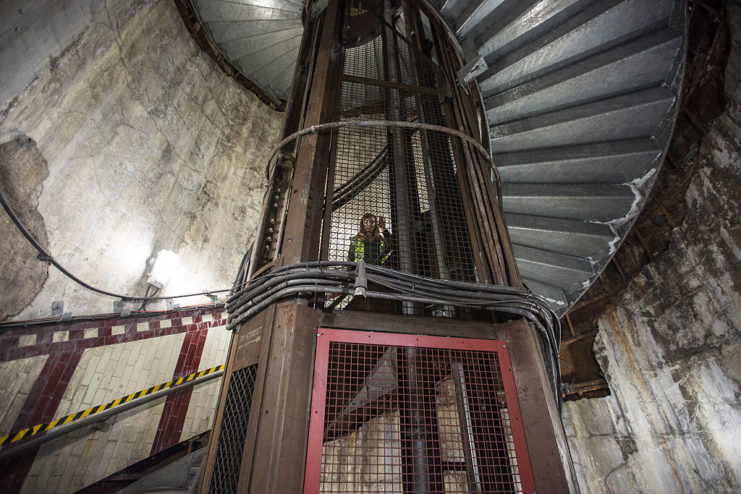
(99, 417)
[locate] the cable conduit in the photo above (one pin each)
(341, 278)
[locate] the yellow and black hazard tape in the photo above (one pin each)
(32, 431)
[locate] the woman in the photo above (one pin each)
(372, 243)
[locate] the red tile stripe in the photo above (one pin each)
(176, 406)
(40, 406)
(42, 402)
(9, 349)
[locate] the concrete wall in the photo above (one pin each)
(52, 370)
(671, 348)
(34, 35)
(122, 139)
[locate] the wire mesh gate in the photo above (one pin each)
(414, 414)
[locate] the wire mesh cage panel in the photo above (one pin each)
(233, 431)
(407, 414)
(401, 177)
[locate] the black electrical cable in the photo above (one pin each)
(244, 267)
(45, 256)
(340, 278)
(6, 325)
(276, 295)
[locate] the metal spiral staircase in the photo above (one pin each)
(260, 38)
(580, 96)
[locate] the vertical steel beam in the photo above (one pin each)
(272, 221)
(396, 145)
(464, 420)
(429, 182)
(549, 453)
(302, 241)
(417, 436)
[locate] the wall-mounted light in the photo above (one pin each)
(164, 265)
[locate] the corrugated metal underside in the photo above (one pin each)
(260, 38)
(580, 97)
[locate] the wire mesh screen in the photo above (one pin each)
(395, 195)
(401, 418)
(233, 431)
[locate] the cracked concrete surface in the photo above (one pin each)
(149, 146)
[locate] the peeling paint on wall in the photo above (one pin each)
(671, 350)
(22, 274)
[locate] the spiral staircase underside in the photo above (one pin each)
(580, 95)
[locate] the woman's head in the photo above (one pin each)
(369, 226)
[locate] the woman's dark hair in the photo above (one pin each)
(376, 232)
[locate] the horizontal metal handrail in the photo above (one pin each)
(10, 452)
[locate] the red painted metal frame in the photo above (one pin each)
(325, 336)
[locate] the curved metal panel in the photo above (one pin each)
(260, 38)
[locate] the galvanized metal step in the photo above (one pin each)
(225, 31)
(556, 297)
(259, 37)
(593, 203)
(502, 31)
(553, 268)
(613, 162)
(632, 115)
(221, 10)
(488, 15)
(579, 97)
(569, 43)
(641, 63)
(572, 237)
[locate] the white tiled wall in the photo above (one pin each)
(105, 373)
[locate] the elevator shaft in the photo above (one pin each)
(381, 217)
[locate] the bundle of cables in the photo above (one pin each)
(372, 281)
